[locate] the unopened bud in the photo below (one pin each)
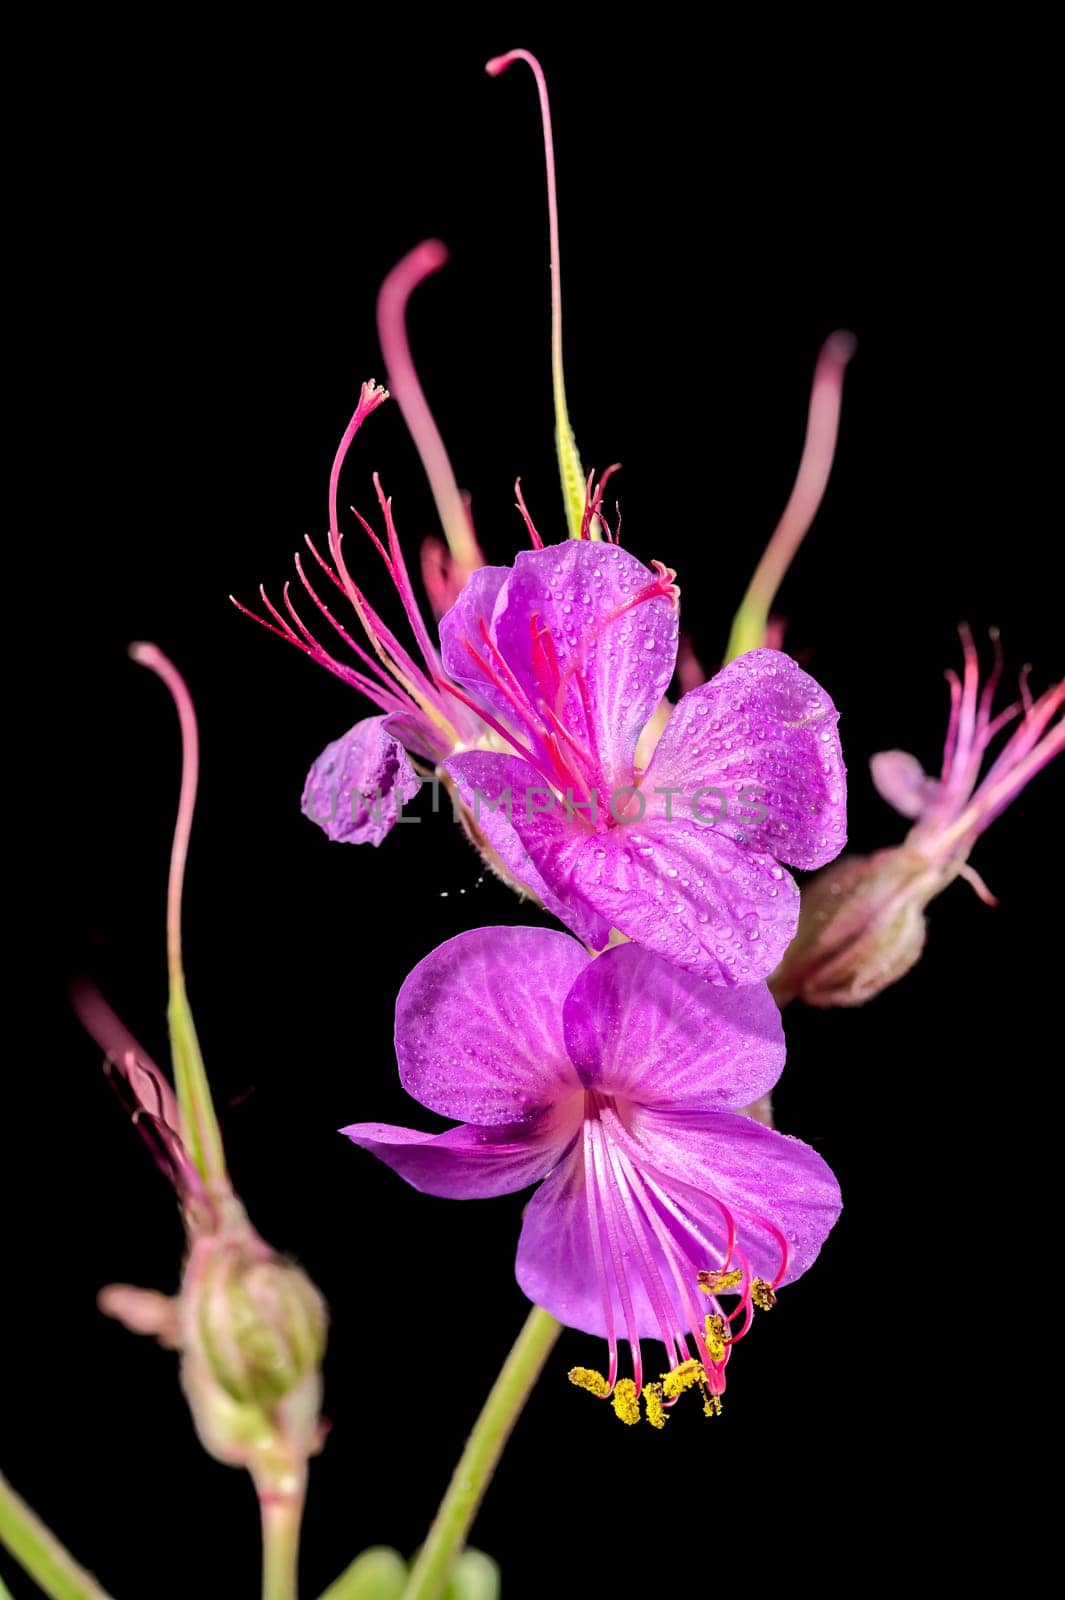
(861, 928)
(254, 1333)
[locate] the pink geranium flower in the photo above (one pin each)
(616, 1084)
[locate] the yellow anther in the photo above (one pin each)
(656, 1411)
(682, 1377)
(718, 1334)
(716, 1282)
(711, 1405)
(594, 1382)
(625, 1402)
(762, 1294)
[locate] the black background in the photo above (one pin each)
(215, 226)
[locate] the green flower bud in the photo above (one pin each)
(254, 1333)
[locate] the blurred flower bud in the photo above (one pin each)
(253, 1337)
(862, 922)
(861, 928)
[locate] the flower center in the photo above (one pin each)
(550, 705)
(661, 1250)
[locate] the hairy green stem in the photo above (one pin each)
(40, 1554)
(478, 1461)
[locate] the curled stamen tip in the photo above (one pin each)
(144, 654)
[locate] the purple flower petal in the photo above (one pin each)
(356, 787)
(416, 733)
(644, 1028)
(485, 781)
(615, 650)
(683, 891)
(763, 1177)
(479, 1025)
(468, 1163)
(761, 725)
(556, 1260)
(462, 631)
(900, 779)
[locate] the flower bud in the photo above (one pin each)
(254, 1333)
(861, 928)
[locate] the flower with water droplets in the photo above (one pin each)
(569, 653)
(616, 1083)
(569, 680)
(862, 925)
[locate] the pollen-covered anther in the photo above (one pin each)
(587, 1378)
(683, 1377)
(652, 1399)
(763, 1294)
(626, 1402)
(718, 1282)
(718, 1335)
(711, 1405)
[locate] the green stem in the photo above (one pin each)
(281, 1518)
(40, 1554)
(478, 1461)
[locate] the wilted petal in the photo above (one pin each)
(479, 1025)
(355, 789)
(900, 779)
(663, 1036)
(418, 734)
(467, 1163)
(765, 1179)
(761, 725)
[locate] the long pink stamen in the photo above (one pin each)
(632, 1220)
(966, 717)
(593, 500)
(595, 1142)
(320, 656)
(401, 579)
(421, 262)
(534, 537)
(672, 1253)
(991, 799)
(595, 1234)
(370, 397)
(375, 667)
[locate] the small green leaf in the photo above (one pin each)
(475, 1577)
(377, 1574)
